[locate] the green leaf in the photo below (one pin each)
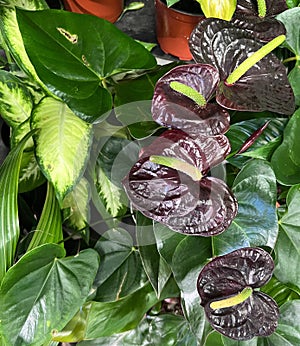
(121, 272)
(9, 222)
(191, 254)
(137, 117)
(16, 101)
(73, 54)
(285, 160)
(62, 144)
(139, 89)
(280, 292)
(288, 244)
(30, 174)
(12, 36)
(135, 337)
(49, 228)
(288, 330)
(156, 268)
(290, 18)
(106, 319)
(294, 79)
(45, 288)
(214, 339)
(112, 195)
(265, 144)
(76, 209)
(256, 222)
(171, 330)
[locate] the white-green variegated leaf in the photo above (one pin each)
(15, 100)
(12, 36)
(62, 144)
(30, 174)
(76, 206)
(110, 193)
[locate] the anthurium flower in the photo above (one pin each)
(169, 184)
(182, 100)
(260, 8)
(263, 84)
(218, 9)
(227, 288)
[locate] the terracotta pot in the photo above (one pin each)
(107, 9)
(173, 29)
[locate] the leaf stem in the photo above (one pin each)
(262, 8)
(254, 58)
(232, 301)
(189, 92)
(177, 164)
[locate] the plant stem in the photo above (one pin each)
(177, 164)
(189, 92)
(254, 58)
(232, 301)
(262, 8)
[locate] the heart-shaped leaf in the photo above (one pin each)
(174, 109)
(121, 272)
(61, 285)
(73, 53)
(256, 222)
(220, 284)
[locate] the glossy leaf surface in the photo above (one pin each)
(226, 47)
(285, 160)
(173, 198)
(256, 221)
(226, 276)
(120, 272)
(73, 53)
(288, 244)
(173, 109)
(60, 287)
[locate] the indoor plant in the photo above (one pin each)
(143, 276)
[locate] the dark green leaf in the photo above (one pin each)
(290, 19)
(156, 268)
(45, 288)
(285, 160)
(288, 244)
(121, 272)
(294, 79)
(74, 53)
(109, 318)
(265, 144)
(171, 330)
(190, 256)
(280, 292)
(256, 222)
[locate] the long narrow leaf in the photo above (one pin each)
(49, 229)
(9, 223)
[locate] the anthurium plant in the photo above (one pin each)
(145, 204)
